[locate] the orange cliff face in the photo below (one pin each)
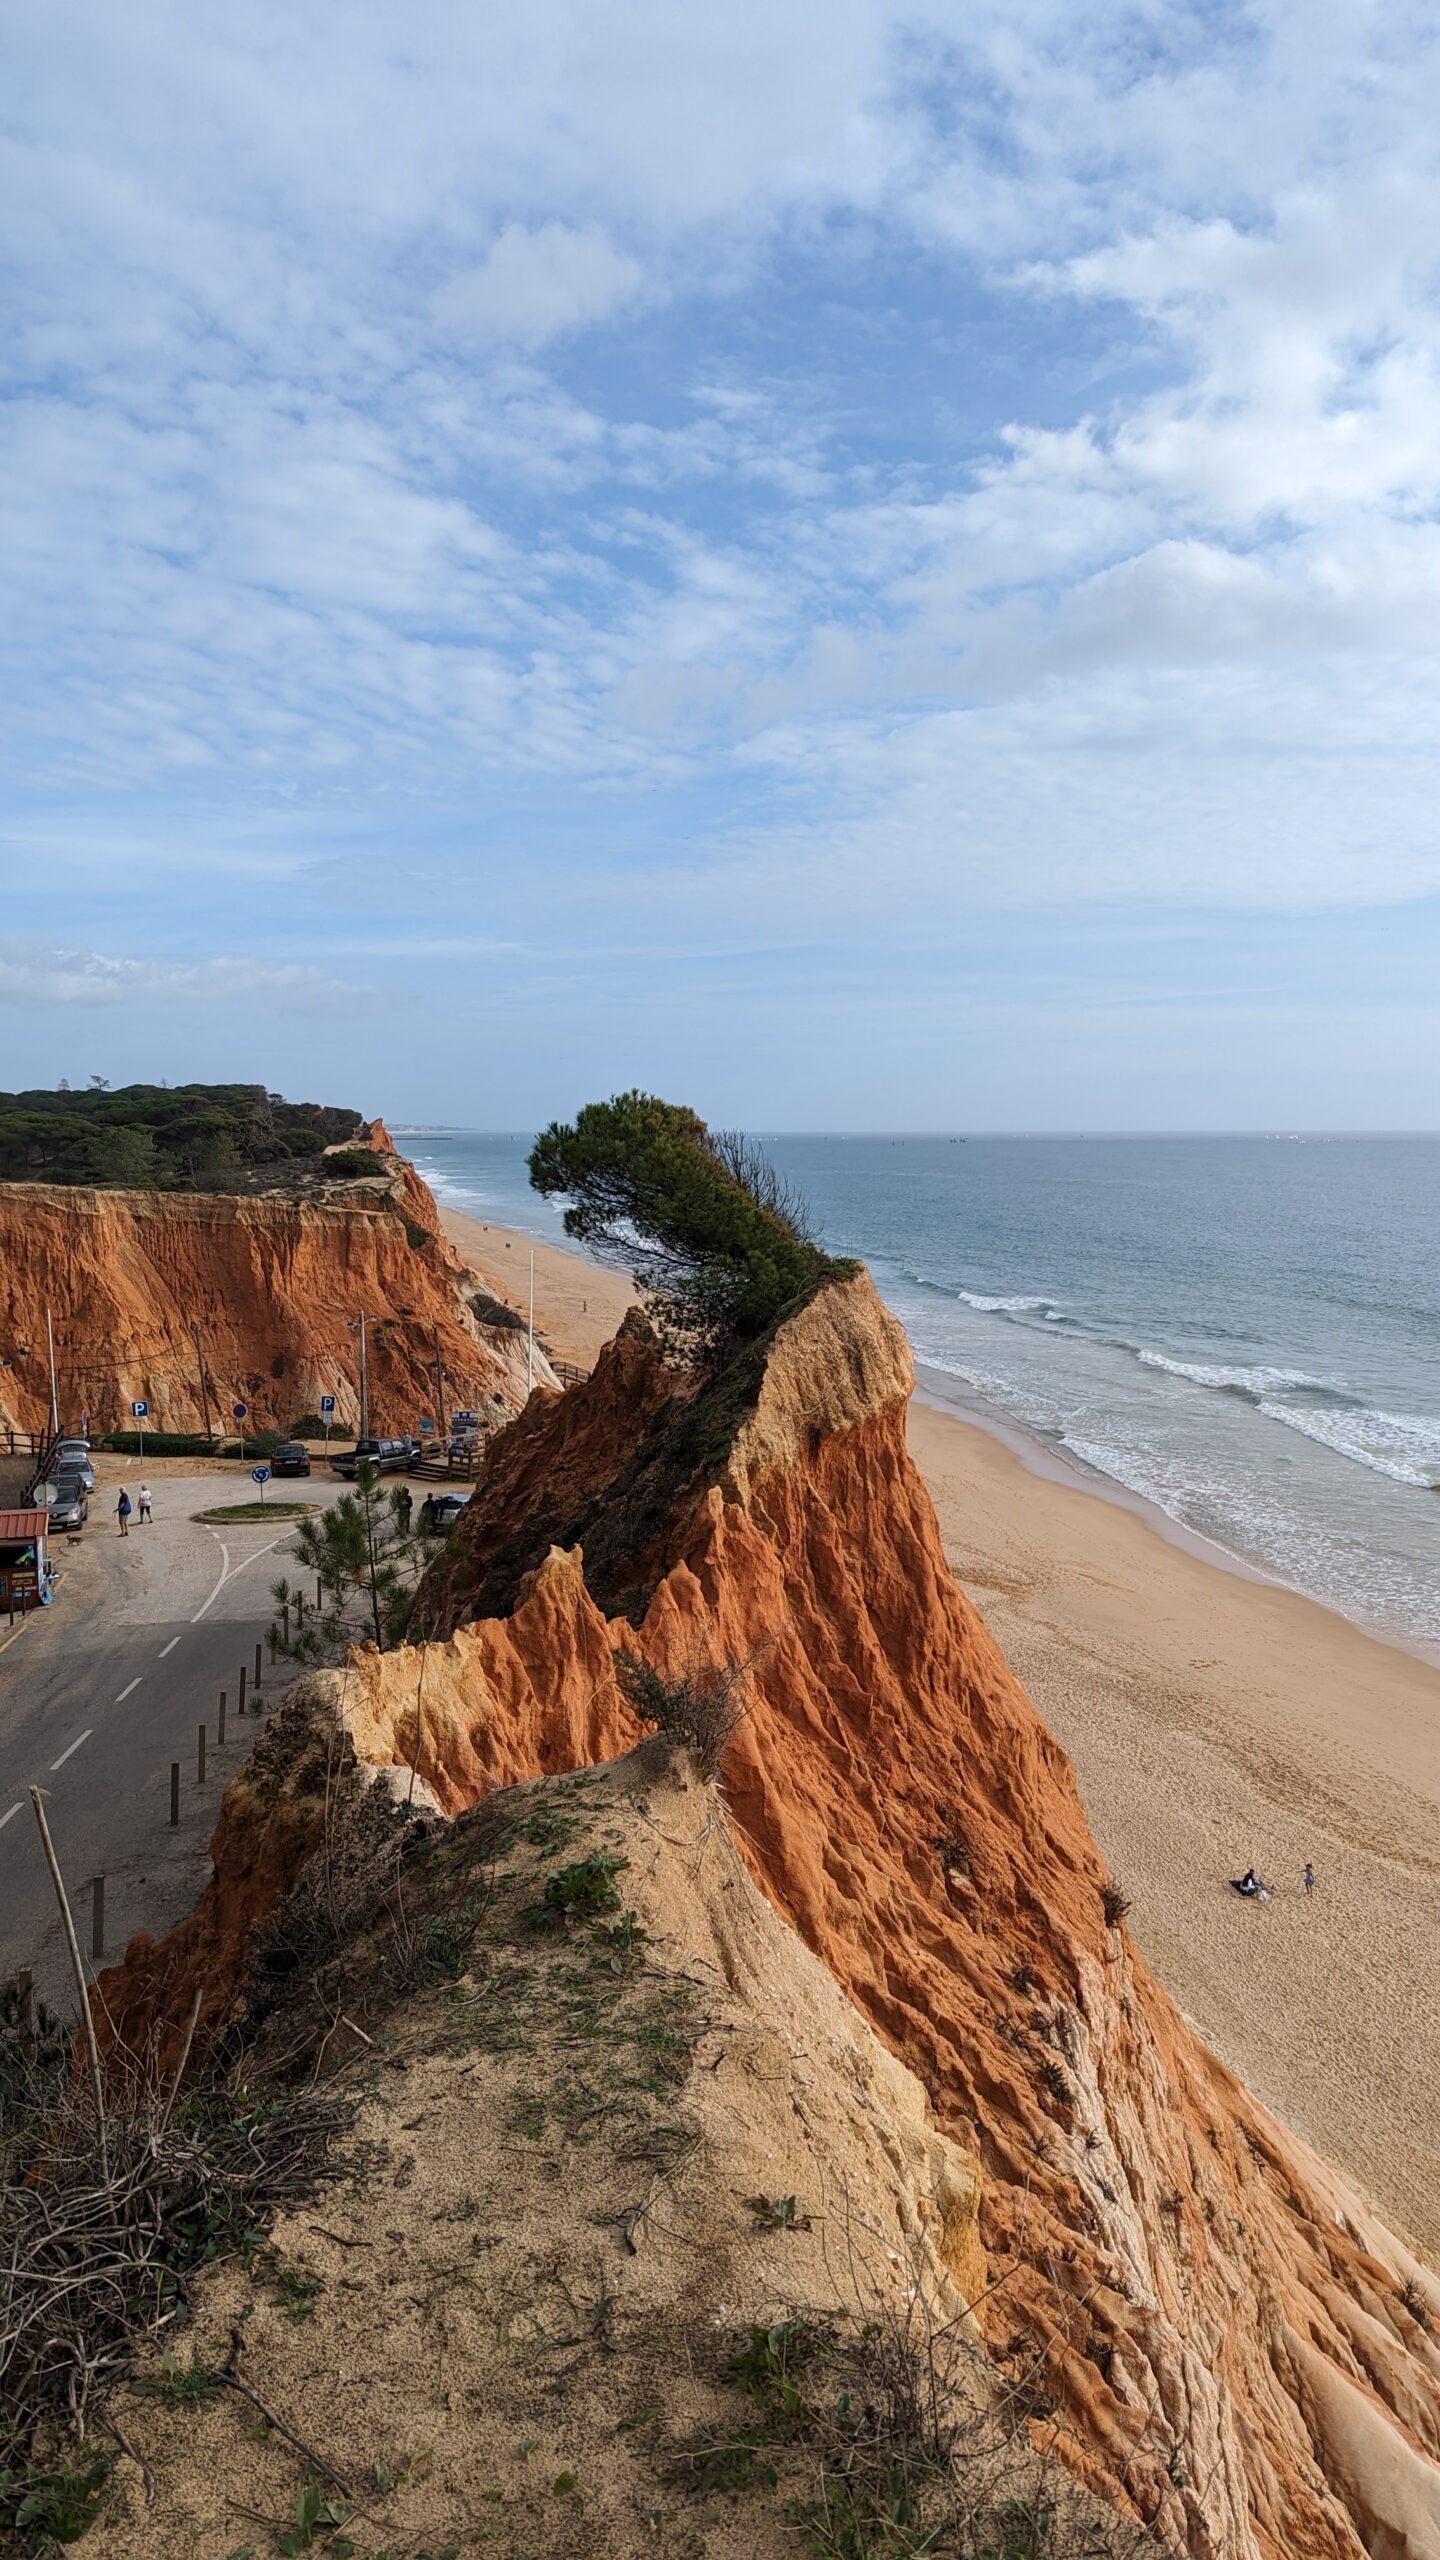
(1222, 2330)
(272, 1284)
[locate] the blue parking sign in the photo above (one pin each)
(327, 1404)
(139, 1410)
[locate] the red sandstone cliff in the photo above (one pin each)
(1239, 2348)
(273, 1285)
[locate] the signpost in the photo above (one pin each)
(327, 1415)
(260, 1476)
(239, 1411)
(138, 1411)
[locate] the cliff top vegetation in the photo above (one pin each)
(710, 1231)
(186, 1137)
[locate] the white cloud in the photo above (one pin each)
(38, 974)
(534, 284)
(315, 482)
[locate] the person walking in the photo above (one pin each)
(122, 1512)
(1309, 1877)
(145, 1520)
(404, 1505)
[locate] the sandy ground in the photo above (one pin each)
(1214, 1721)
(578, 1306)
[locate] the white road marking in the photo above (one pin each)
(124, 1694)
(232, 1569)
(75, 1745)
(167, 1648)
(8, 1817)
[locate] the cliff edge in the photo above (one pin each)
(1232, 2345)
(272, 1285)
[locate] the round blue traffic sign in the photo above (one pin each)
(259, 1475)
(239, 1411)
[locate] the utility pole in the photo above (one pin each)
(530, 1334)
(439, 1387)
(54, 1391)
(204, 1390)
(364, 1387)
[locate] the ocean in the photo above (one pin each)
(1244, 1331)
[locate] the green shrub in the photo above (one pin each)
(190, 1444)
(352, 1164)
(308, 1426)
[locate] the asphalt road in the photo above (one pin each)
(102, 1691)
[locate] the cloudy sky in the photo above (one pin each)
(861, 565)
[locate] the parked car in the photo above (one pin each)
(387, 1457)
(70, 1509)
(72, 1457)
(291, 1458)
(444, 1510)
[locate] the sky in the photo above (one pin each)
(857, 566)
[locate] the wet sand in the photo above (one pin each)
(1215, 1720)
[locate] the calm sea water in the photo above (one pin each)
(1244, 1330)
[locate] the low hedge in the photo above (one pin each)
(188, 1444)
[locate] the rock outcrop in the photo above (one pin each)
(273, 1286)
(1238, 2349)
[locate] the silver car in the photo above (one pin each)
(72, 1458)
(70, 1509)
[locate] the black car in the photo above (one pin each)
(387, 1457)
(291, 1458)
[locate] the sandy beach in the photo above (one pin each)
(578, 1304)
(1214, 1720)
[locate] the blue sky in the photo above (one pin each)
(862, 567)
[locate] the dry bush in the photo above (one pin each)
(701, 1704)
(1116, 1903)
(110, 2215)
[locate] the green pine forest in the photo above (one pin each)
(184, 1137)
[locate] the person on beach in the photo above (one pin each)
(1309, 1877)
(145, 1520)
(122, 1512)
(404, 1505)
(1249, 1885)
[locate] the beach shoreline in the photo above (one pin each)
(1216, 1718)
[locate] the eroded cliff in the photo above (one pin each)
(1235, 2345)
(273, 1287)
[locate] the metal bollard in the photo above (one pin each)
(319, 1593)
(174, 1795)
(200, 1774)
(220, 1736)
(272, 1641)
(257, 1666)
(97, 1919)
(242, 1688)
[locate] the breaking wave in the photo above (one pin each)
(1403, 1446)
